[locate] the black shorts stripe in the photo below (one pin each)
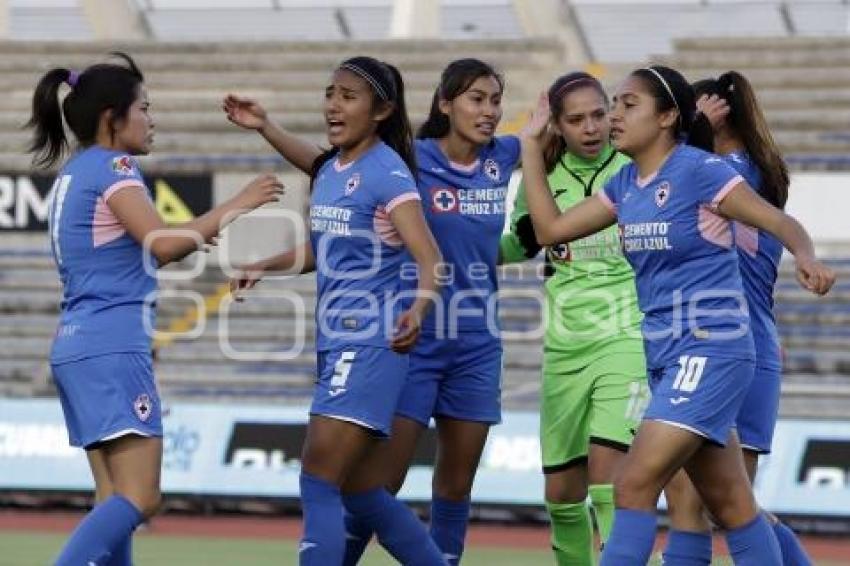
(565, 466)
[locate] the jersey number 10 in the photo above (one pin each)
(690, 372)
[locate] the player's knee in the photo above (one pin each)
(147, 502)
(636, 488)
(682, 499)
(683, 505)
(731, 504)
(560, 492)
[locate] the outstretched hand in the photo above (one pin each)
(244, 112)
(263, 189)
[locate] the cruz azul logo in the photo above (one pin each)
(491, 169)
(662, 194)
(444, 200)
(352, 183)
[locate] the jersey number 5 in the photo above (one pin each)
(342, 369)
(690, 372)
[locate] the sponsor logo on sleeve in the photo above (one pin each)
(123, 165)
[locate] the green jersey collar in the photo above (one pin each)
(576, 163)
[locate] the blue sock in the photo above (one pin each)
(686, 548)
(399, 531)
(100, 533)
(754, 544)
(448, 527)
(123, 553)
(793, 553)
(323, 542)
(631, 540)
(357, 536)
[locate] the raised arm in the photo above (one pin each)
(133, 208)
(551, 226)
(409, 221)
(743, 204)
(250, 114)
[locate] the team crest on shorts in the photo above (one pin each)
(143, 405)
(443, 200)
(352, 183)
(662, 194)
(122, 165)
(491, 169)
(560, 252)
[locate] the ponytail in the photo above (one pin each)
(49, 141)
(748, 123)
(101, 87)
(395, 130)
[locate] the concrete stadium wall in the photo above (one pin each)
(821, 202)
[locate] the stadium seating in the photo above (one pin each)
(801, 82)
(187, 81)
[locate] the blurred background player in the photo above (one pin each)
(107, 240)
(742, 137)
(363, 195)
(594, 369)
(674, 203)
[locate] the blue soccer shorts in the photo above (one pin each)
(459, 378)
(108, 396)
(702, 394)
(361, 385)
(757, 418)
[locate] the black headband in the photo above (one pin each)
(375, 73)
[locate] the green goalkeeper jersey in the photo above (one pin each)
(591, 300)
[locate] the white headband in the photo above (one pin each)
(666, 87)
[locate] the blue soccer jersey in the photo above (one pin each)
(759, 254)
(359, 254)
(688, 282)
(108, 279)
(465, 209)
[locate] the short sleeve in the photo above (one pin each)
(398, 186)
(611, 193)
(715, 178)
(510, 147)
(118, 172)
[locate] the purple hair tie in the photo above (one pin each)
(73, 77)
